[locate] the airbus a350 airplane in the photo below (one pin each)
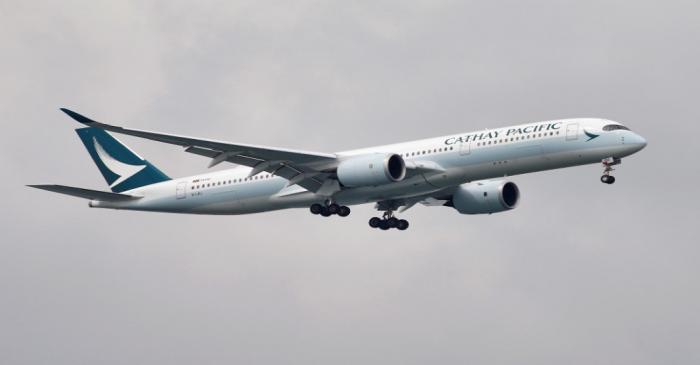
(467, 172)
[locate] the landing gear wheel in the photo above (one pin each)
(374, 222)
(344, 211)
(384, 225)
(402, 225)
(325, 212)
(392, 222)
(607, 179)
(333, 208)
(316, 208)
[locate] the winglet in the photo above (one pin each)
(80, 118)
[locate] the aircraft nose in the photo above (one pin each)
(637, 141)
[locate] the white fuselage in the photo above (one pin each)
(460, 158)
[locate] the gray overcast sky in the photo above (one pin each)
(580, 273)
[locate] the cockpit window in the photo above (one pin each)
(613, 127)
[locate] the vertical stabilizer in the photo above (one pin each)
(121, 167)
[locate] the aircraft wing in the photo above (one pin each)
(299, 167)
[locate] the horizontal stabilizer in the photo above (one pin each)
(86, 193)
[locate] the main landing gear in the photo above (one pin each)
(329, 210)
(388, 221)
(608, 163)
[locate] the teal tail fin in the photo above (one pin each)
(121, 167)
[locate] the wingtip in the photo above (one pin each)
(77, 117)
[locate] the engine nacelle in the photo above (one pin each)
(371, 170)
(486, 197)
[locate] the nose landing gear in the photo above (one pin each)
(608, 163)
(607, 179)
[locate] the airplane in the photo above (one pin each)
(468, 172)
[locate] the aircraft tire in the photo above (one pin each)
(384, 225)
(392, 222)
(344, 211)
(333, 208)
(402, 225)
(316, 208)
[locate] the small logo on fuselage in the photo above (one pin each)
(590, 135)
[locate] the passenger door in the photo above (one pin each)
(572, 132)
(465, 148)
(181, 190)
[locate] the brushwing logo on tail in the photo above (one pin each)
(125, 171)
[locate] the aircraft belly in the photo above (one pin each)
(450, 177)
(415, 185)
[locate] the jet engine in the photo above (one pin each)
(371, 170)
(485, 197)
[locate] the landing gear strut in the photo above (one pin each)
(388, 221)
(608, 163)
(329, 209)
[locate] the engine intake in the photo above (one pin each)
(486, 197)
(371, 170)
